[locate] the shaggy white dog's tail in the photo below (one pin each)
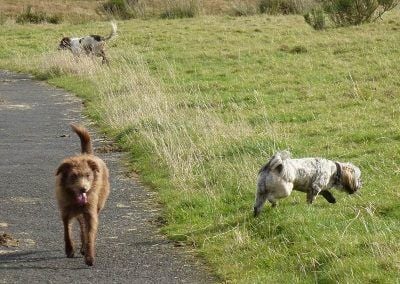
(276, 162)
(113, 31)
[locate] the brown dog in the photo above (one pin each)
(82, 188)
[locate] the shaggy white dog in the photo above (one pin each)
(313, 176)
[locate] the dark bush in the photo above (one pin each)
(316, 18)
(55, 19)
(3, 19)
(348, 12)
(31, 17)
(243, 8)
(37, 17)
(120, 8)
(285, 7)
(356, 12)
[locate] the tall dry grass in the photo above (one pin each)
(187, 138)
(80, 11)
(73, 11)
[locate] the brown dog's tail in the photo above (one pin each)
(86, 144)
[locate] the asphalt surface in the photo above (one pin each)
(34, 138)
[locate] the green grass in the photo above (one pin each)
(200, 104)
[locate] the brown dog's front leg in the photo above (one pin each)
(69, 247)
(83, 234)
(91, 221)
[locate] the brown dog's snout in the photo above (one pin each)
(82, 190)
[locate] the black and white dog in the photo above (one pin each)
(314, 176)
(90, 45)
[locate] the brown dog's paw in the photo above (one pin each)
(69, 250)
(89, 260)
(70, 253)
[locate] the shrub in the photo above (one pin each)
(348, 12)
(268, 6)
(37, 17)
(285, 6)
(356, 12)
(175, 9)
(243, 8)
(55, 19)
(3, 19)
(316, 18)
(30, 17)
(119, 8)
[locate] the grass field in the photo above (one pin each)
(200, 104)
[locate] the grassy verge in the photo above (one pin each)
(201, 104)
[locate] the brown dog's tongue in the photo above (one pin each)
(81, 198)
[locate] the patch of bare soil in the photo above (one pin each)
(108, 148)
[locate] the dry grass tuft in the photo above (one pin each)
(183, 136)
(72, 11)
(58, 63)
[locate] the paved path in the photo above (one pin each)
(34, 137)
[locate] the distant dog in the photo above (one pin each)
(90, 45)
(82, 188)
(314, 176)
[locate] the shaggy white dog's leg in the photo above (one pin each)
(312, 193)
(261, 197)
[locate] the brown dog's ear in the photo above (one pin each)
(348, 179)
(93, 165)
(64, 167)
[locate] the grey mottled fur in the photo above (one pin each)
(313, 176)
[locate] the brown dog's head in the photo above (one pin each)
(350, 178)
(77, 176)
(65, 43)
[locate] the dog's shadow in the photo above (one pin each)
(43, 259)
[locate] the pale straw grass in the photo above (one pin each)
(65, 63)
(181, 136)
(55, 63)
